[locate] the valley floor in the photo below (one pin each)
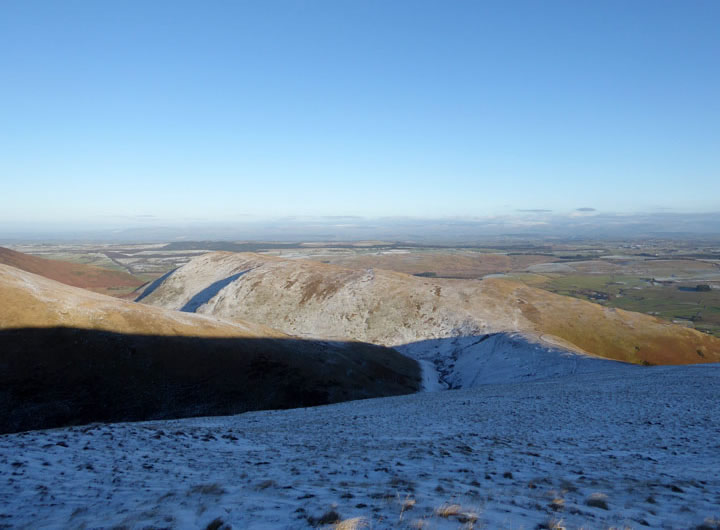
(611, 449)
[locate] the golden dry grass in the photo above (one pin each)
(456, 511)
(75, 274)
(354, 523)
(608, 332)
(456, 264)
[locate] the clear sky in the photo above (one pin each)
(220, 110)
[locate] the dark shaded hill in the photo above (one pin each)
(63, 376)
(70, 356)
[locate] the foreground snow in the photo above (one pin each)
(642, 443)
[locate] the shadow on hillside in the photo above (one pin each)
(52, 377)
(209, 292)
(154, 285)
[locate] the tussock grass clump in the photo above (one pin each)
(455, 511)
(551, 524)
(406, 505)
(557, 504)
(598, 500)
(207, 489)
(217, 524)
(352, 524)
(449, 510)
(329, 517)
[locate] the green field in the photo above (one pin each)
(700, 310)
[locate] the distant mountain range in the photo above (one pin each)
(522, 224)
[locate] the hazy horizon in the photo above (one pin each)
(583, 223)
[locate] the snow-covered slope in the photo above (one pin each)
(466, 362)
(623, 448)
(472, 331)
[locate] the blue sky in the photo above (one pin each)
(112, 112)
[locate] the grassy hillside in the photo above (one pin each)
(75, 274)
(440, 263)
(610, 332)
(391, 308)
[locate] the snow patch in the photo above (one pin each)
(469, 361)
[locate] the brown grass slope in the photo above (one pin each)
(391, 308)
(457, 264)
(75, 274)
(70, 356)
